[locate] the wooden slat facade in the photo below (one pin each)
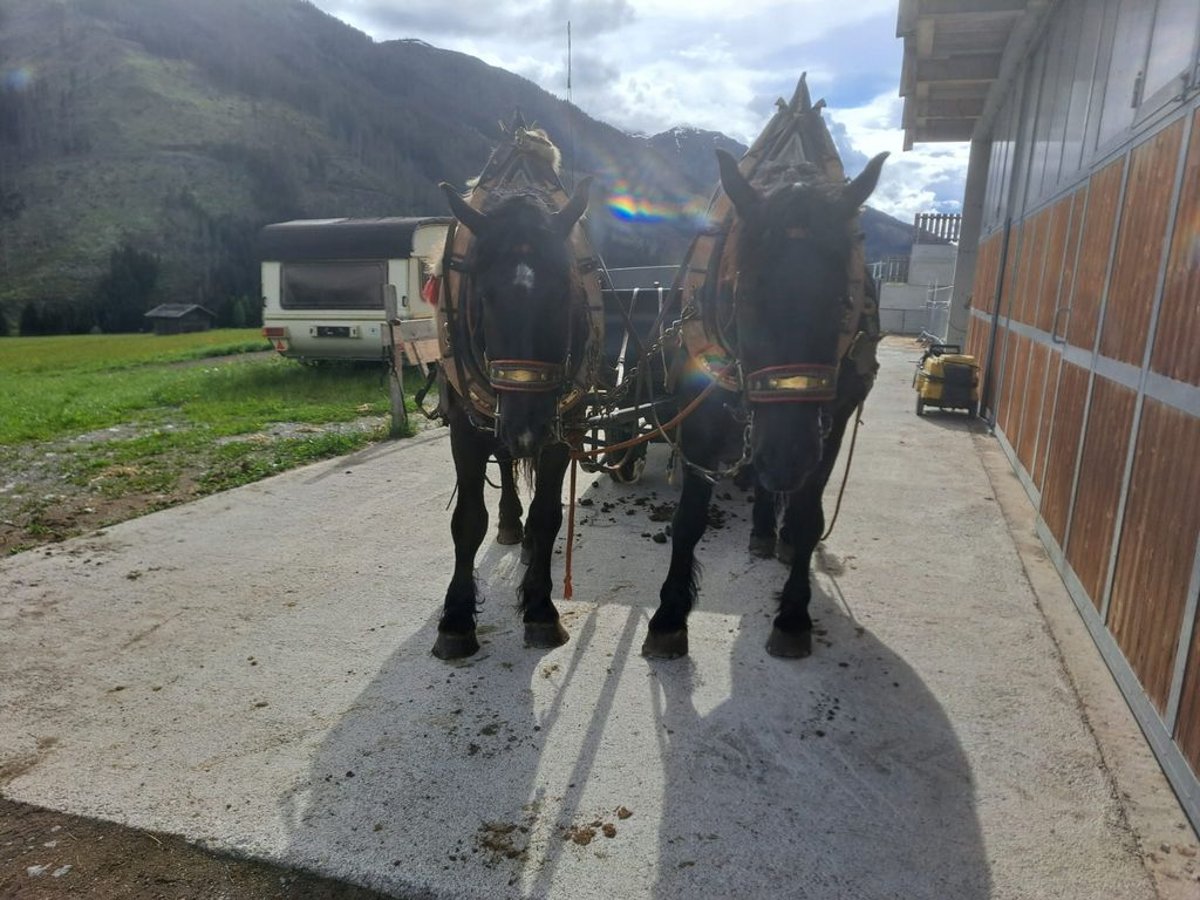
(1148, 192)
(1098, 489)
(1154, 565)
(1099, 222)
(1031, 408)
(1178, 334)
(1092, 360)
(1064, 446)
(1187, 730)
(1048, 410)
(1057, 223)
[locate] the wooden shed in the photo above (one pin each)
(178, 318)
(1078, 286)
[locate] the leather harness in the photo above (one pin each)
(519, 165)
(795, 135)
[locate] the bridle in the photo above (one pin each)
(506, 376)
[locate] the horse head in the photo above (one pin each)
(789, 266)
(525, 296)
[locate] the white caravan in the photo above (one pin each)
(325, 283)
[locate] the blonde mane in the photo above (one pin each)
(537, 142)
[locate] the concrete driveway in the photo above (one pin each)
(252, 671)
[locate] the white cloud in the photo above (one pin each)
(928, 177)
(648, 65)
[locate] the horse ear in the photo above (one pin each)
(564, 220)
(744, 197)
(860, 188)
(464, 212)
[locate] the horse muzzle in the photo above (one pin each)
(527, 394)
(786, 444)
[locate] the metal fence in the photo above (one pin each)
(890, 270)
(937, 313)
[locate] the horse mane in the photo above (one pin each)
(533, 141)
(537, 142)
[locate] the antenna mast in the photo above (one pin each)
(570, 107)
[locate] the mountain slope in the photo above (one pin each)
(174, 129)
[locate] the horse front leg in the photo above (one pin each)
(667, 637)
(762, 528)
(804, 522)
(803, 525)
(542, 626)
(508, 529)
(468, 525)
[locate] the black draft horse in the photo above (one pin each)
(786, 272)
(525, 297)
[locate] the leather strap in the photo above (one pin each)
(801, 383)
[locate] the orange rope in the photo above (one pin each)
(661, 429)
(568, 587)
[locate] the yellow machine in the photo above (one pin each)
(947, 378)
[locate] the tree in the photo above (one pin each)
(126, 291)
(31, 320)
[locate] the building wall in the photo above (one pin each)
(904, 307)
(1086, 313)
(932, 264)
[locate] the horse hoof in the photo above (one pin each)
(666, 644)
(762, 546)
(789, 644)
(509, 535)
(455, 646)
(544, 635)
(785, 552)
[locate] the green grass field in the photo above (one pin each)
(147, 418)
(63, 386)
(107, 352)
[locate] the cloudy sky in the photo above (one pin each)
(649, 65)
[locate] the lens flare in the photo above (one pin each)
(650, 193)
(18, 79)
(628, 203)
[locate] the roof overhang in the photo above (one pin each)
(960, 57)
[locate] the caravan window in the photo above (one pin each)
(333, 285)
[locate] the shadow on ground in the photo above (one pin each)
(588, 771)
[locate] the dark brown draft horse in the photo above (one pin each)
(783, 321)
(518, 342)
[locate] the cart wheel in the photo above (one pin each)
(920, 407)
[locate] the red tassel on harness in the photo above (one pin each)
(431, 292)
